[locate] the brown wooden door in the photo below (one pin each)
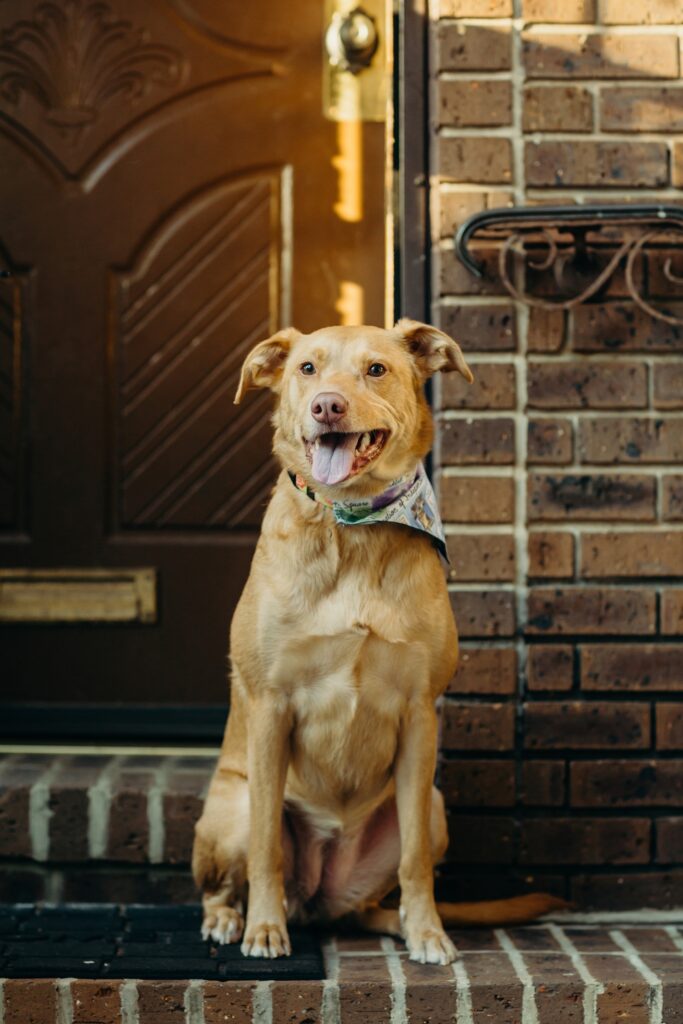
(171, 194)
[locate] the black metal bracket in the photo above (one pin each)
(541, 231)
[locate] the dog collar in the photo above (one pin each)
(408, 501)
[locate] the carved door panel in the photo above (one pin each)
(172, 193)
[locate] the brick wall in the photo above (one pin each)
(560, 468)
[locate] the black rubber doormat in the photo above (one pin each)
(160, 942)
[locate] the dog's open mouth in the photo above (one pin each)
(335, 457)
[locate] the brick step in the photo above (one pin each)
(541, 974)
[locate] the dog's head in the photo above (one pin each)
(351, 414)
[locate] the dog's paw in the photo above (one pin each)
(431, 946)
(266, 940)
(223, 925)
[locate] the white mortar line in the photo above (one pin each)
(593, 988)
(675, 935)
(155, 811)
(65, 1005)
(39, 813)
(331, 1008)
(99, 804)
(655, 983)
(262, 1003)
(193, 1002)
(398, 982)
(529, 1009)
(129, 1002)
(463, 997)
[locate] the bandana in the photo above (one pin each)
(407, 502)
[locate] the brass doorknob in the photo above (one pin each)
(351, 40)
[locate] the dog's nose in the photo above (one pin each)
(328, 407)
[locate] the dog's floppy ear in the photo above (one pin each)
(432, 350)
(263, 366)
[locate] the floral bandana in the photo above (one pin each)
(407, 502)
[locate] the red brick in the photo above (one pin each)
(466, 442)
(429, 996)
(19, 774)
(69, 806)
(672, 497)
(473, 47)
(542, 783)
(481, 557)
(485, 670)
(632, 891)
(591, 496)
(493, 388)
(30, 1002)
(672, 612)
(453, 278)
(623, 440)
(591, 611)
(480, 840)
(550, 10)
(364, 990)
(481, 328)
(613, 555)
(550, 667)
(474, 159)
(546, 330)
(475, 8)
(642, 12)
(592, 55)
(607, 164)
(456, 207)
(644, 667)
(585, 841)
(478, 783)
(563, 108)
(183, 802)
(581, 725)
(669, 726)
(622, 327)
(550, 441)
(161, 1002)
(96, 1002)
(582, 385)
(466, 104)
(477, 499)
(297, 1002)
(669, 840)
(484, 613)
(128, 834)
(551, 555)
(627, 783)
(669, 384)
(227, 1002)
(641, 109)
(497, 1004)
(470, 726)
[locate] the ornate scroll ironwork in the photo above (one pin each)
(580, 246)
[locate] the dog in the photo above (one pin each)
(323, 799)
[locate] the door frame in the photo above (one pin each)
(411, 265)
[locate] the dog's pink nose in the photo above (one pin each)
(328, 407)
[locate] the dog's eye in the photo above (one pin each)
(307, 369)
(377, 370)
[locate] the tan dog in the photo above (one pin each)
(323, 796)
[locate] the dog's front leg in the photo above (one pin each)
(265, 933)
(425, 937)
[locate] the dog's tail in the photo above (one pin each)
(486, 913)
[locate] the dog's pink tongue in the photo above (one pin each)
(333, 458)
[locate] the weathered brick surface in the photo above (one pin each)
(622, 783)
(470, 726)
(30, 1001)
(585, 841)
(643, 667)
(669, 832)
(631, 554)
(481, 328)
(488, 441)
(580, 385)
(474, 103)
(455, 206)
(595, 610)
(475, 8)
(96, 1002)
(668, 386)
(484, 613)
(586, 164)
(642, 12)
(672, 612)
(592, 55)
(622, 327)
(479, 783)
(161, 1002)
(631, 440)
(612, 497)
(473, 47)
(580, 725)
(551, 555)
(550, 667)
(543, 783)
(672, 497)
(550, 441)
(481, 557)
(564, 108)
(493, 388)
(467, 159)
(669, 726)
(641, 109)
(477, 499)
(546, 330)
(485, 671)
